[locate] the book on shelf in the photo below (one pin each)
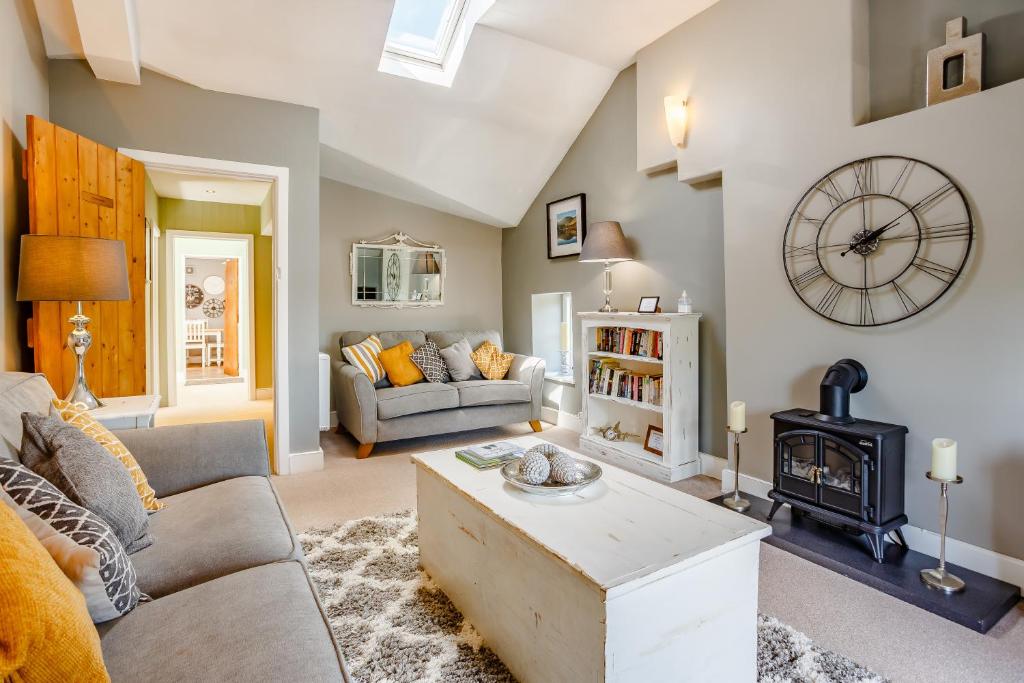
(489, 456)
(629, 341)
(607, 378)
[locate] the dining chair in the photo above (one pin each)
(195, 338)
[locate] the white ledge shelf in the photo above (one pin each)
(625, 356)
(628, 402)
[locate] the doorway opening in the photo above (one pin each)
(211, 318)
(206, 200)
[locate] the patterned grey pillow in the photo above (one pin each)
(109, 584)
(428, 359)
(87, 474)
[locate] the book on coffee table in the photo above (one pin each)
(489, 456)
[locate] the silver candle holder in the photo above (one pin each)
(939, 578)
(735, 502)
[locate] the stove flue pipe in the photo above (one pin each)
(841, 379)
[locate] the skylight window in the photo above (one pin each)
(426, 39)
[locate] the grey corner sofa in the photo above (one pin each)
(232, 600)
(382, 412)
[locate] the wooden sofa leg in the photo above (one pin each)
(364, 450)
(535, 425)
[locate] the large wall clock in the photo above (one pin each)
(877, 240)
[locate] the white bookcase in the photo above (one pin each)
(678, 413)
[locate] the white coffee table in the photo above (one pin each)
(628, 580)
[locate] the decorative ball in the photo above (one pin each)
(534, 468)
(549, 450)
(564, 469)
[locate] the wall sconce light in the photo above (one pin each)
(675, 117)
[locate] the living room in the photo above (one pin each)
(461, 194)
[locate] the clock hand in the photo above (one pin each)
(875, 233)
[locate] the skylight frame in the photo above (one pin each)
(454, 16)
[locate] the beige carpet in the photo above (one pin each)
(886, 635)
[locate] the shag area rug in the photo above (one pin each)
(396, 626)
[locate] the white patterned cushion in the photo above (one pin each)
(428, 359)
(366, 356)
(105, 575)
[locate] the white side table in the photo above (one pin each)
(127, 412)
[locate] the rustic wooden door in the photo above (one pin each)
(231, 317)
(79, 187)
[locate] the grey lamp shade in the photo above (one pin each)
(605, 242)
(65, 268)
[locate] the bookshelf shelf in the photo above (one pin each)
(627, 402)
(624, 356)
(675, 373)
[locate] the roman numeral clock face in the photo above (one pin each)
(877, 240)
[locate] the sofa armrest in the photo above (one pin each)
(184, 457)
(530, 371)
(355, 401)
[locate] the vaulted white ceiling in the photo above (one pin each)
(533, 73)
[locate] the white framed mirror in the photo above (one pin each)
(397, 271)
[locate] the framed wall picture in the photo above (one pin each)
(648, 304)
(567, 226)
(654, 442)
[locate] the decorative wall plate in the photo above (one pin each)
(193, 296)
(213, 307)
(214, 284)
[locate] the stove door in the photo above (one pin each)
(843, 476)
(796, 454)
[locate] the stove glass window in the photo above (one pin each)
(840, 467)
(798, 456)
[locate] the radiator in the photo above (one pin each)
(325, 392)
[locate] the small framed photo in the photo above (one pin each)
(567, 226)
(655, 440)
(648, 304)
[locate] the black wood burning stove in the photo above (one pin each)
(840, 470)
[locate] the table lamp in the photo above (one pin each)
(64, 268)
(605, 242)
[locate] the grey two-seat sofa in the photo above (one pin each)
(232, 600)
(382, 412)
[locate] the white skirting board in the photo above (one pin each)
(333, 419)
(981, 560)
(310, 461)
(561, 419)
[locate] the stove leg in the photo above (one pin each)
(877, 542)
(899, 535)
(775, 508)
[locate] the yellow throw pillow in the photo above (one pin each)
(492, 362)
(366, 356)
(77, 415)
(45, 631)
(400, 368)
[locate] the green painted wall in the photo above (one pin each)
(183, 214)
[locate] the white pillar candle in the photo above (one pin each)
(564, 339)
(737, 416)
(944, 459)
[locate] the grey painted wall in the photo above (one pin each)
(954, 370)
(23, 90)
(166, 115)
(902, 31)
(472, 252)
(676, 234)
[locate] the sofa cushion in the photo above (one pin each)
(20, 392)
(397, 363)
(489, 392)
(459, 359)
(417, 398)
(87, 474)
(261, 624)
(474, 337)
(211, 531)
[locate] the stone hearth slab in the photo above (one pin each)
(978, 607)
